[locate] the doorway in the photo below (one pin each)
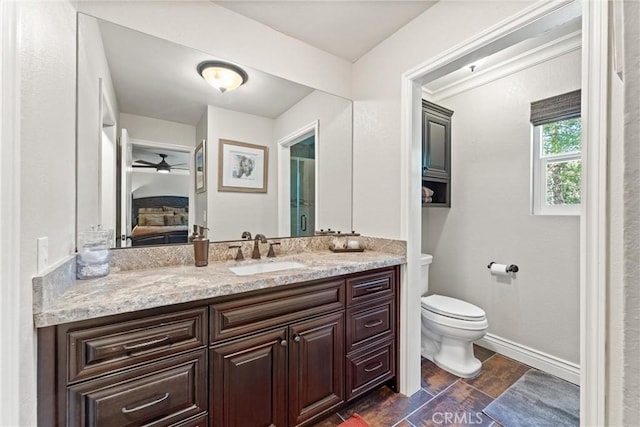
(303, 186)
(593, 263)
(298, 182)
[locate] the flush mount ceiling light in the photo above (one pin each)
(222, 76)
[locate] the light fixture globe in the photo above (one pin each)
(223, 76)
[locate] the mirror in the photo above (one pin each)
(148, 123)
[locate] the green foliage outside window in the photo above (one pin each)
(563, 177)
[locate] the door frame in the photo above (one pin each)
(593, 220)
(172, 147)
(10, 233)
(284, 186)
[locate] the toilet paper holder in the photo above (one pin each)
(511, 268)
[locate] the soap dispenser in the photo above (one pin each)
(201, 248)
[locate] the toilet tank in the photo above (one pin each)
(425, 262)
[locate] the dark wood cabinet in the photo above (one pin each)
(316, 367)
(436, 152)
(274, 357)
(372, 319)
(248, 381)
(158, 394)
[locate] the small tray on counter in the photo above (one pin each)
(346, 250)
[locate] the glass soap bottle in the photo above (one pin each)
(93, 254)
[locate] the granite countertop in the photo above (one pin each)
(134, 290)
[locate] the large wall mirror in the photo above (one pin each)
(155, 143)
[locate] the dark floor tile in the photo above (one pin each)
(435, 379)
(497, 374)
(459, 405)
(383, 407)
(332, 421)
(482, 353)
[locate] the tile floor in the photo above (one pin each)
(442, 393)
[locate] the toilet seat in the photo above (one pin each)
(452, 322)
(452, 308)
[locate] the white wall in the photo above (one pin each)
(47, 66)
(229, 212)
(213, 29)
(92, 66)
(623, 332)
(150, 184)
(490, 220)
(200, 199)
(156, 130)
(334, 153)
(376, 93)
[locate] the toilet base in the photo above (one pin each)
(456, 357)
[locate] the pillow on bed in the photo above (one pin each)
(174, 209)
(152, 219)
(172, 220)
(155, 220)
(149, 210)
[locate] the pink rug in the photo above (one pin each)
(354, 421)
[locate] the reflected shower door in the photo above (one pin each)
(303, 184)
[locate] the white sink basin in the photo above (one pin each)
(266, 267)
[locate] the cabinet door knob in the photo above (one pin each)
(296, 338)
(283, 343)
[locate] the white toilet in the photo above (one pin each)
(449, 328)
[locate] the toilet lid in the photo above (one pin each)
(452, 307)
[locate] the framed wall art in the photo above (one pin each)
(201, 167)
(242, 167)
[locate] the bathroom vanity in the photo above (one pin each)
(280, 348)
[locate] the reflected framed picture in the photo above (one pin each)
(200, 163)
(242, 167)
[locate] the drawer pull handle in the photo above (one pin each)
(373, 323)
(130, 347)
(374, 289)
(296, 338)
(374, 368)
(283, 343)
(164, 397)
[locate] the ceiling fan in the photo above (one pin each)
(162, 166)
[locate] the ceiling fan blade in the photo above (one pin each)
(144, 162)
(182, 169)
(144, 166)
(179, 164)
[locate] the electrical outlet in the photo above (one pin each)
(43, 253)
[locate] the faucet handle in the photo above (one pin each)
(271, 253)
(239, 255)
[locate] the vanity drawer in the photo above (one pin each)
(370, 368)
(370, 286)
(249, 314)
(370, 322)
(96, 350)
(159, 394)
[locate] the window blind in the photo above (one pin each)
(556, 108)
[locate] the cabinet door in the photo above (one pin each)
(316, 367)
(248, 381)
(436, 137)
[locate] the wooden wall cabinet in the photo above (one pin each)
(436, 152)
(282, 357)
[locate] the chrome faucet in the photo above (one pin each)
(246, 235)
(256, 249)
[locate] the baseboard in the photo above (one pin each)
(561, 368)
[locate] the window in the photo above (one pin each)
(557, 155)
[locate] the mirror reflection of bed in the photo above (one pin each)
(159, 220)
